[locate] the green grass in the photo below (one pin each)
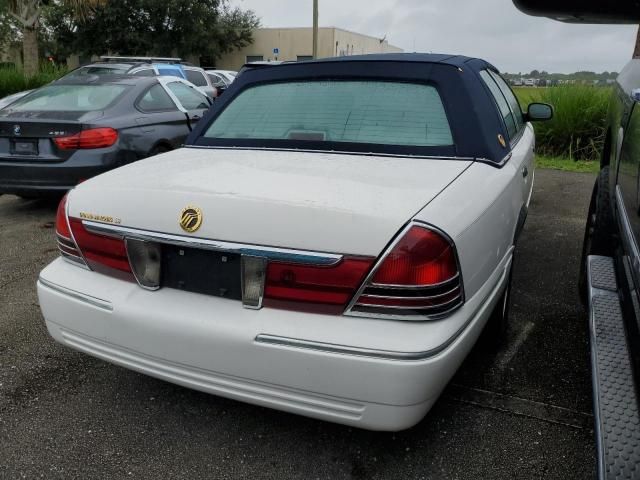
(578, 128)
(567, 165)
(13, 80)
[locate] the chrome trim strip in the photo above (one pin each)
(88, 299)
(334, 152)
(414, 287)
(366, 283)
(271, 253)
(398, 297)
(73, 238)
(278, 341)
(415, 307)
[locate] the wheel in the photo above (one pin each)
(158, 149)
(495, 331)
(599, 232)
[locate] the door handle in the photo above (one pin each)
(525, 172)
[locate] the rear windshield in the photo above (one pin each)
(98, 70)
(75, 98)
(374, 112)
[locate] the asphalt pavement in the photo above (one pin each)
(523, 411)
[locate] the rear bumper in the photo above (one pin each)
(615, 397)
(32, 177)
(214, 345)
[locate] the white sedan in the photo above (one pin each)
(331, 240)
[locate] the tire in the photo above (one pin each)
(495, 331)
(158, 149)
(599, 232)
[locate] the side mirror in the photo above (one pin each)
(539, 112)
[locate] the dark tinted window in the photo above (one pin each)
(503, 105)
(156, 99)
(188, 96)
(511, 100)
(196, 77)
(387, 113)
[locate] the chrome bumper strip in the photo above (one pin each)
(271, 253)
(93, 301)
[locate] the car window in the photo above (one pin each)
(503, 105)
(188, 96)
(628, 171)
(147, 72)
(217, 80)
(156, 99)
(376, 112)
(76, 98)
(511, 100)
(196, 77)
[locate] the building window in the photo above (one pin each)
(302, 58)
(255, 58)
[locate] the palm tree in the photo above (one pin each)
(27, 13)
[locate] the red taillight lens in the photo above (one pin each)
(417, 279)
(325, 289)
(103, 254)
(87, 139)
(66, 245)
(421, 257)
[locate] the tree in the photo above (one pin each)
(27, 13)
(154, 27)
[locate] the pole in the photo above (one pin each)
(315, 28)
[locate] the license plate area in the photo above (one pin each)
(202, 271)
(24, 147)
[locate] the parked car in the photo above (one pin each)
(138, 66)
(220, 79)
(610, 264)
(308, 249)
(71, 130)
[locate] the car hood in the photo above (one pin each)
(342, 203)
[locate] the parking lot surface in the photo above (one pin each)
(523, 411)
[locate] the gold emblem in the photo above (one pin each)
(191, 219)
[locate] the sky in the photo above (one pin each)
(491, 29)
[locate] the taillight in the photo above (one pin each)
(314, 288)
(66, 245)
(102, 253)
(87, 139)
(417, 278)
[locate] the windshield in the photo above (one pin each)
(75, 98)
(377, 112)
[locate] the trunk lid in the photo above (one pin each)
(350, 204)
(27, 136)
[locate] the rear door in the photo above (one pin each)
(189, 100)
(199, 78)
(521, 141)
(161, 117)
(627, 190)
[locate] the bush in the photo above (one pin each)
(13, 80)
(578, 127)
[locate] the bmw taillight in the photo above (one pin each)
(417, 278)
(88, 139)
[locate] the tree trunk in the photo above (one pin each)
(30, 50)
(636, 51)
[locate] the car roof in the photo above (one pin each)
(118, 79)
(458, 61)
